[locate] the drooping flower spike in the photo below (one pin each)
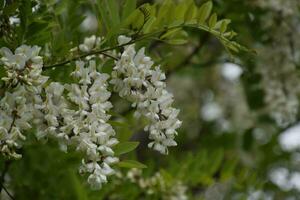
(77, 114)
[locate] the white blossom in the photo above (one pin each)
(21, 103)
(74, 114)
(279, 77)
(90, 43)
(123, 39)
(86, 127)
(135, 79)
(77, 114)
(154, 184)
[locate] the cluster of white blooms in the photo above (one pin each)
(92, 132)
(282, 98)
(19, 107)
(23, 67)
(156, 184)
(283, 6)
(76, 114)
(278, 66)
(86, 126)
(90, 43)
(135, 79)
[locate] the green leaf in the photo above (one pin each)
(180, 11)
(204, 12)
(177, 41)
(131, 164)
(1, 4)
(125, 147)
(114, 12)
(230, 34)
(105, 13)
(149, 25)
(222, 25)
(191, 12)
(213, 21)
(170, 33)
(11, 8)
(109, 12)
(78, 188)
(163, 15)
(128, 8)
(25, 11)
(166, 175)
(118, 124)
(228, 169)
(134, 20)
(216, 161)
(60, 7)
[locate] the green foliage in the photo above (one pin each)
(125, 147)
(131, 164)
(167, 22)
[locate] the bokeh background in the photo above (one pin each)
(240, 136)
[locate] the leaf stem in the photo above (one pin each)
(225, 41)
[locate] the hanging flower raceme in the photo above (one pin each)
(21, 103)
(85, 127)
(92, 133)
(135, 79)
(77, 114)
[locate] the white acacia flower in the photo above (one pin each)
(77, 114)
(23, 66)
(123, 39)
(90, 43)
(20, 106)
(84, 124)
(135, 79)
(174, 191)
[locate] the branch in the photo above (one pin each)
(14, 113)
(103, 51)
(83, 56)
(2, 179)
(222, 38)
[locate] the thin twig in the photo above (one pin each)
(102, 51)
(13, 122)
(80, 57)
(110, 56)
(2, 179)
(8, 193)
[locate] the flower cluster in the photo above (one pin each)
(91, 131)
(23, 67)
(19, 107)
(86, 126)
(90, 43)
(175, 190)
(285, 7)
(76, 114)
(278, 66)
(135, 79)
